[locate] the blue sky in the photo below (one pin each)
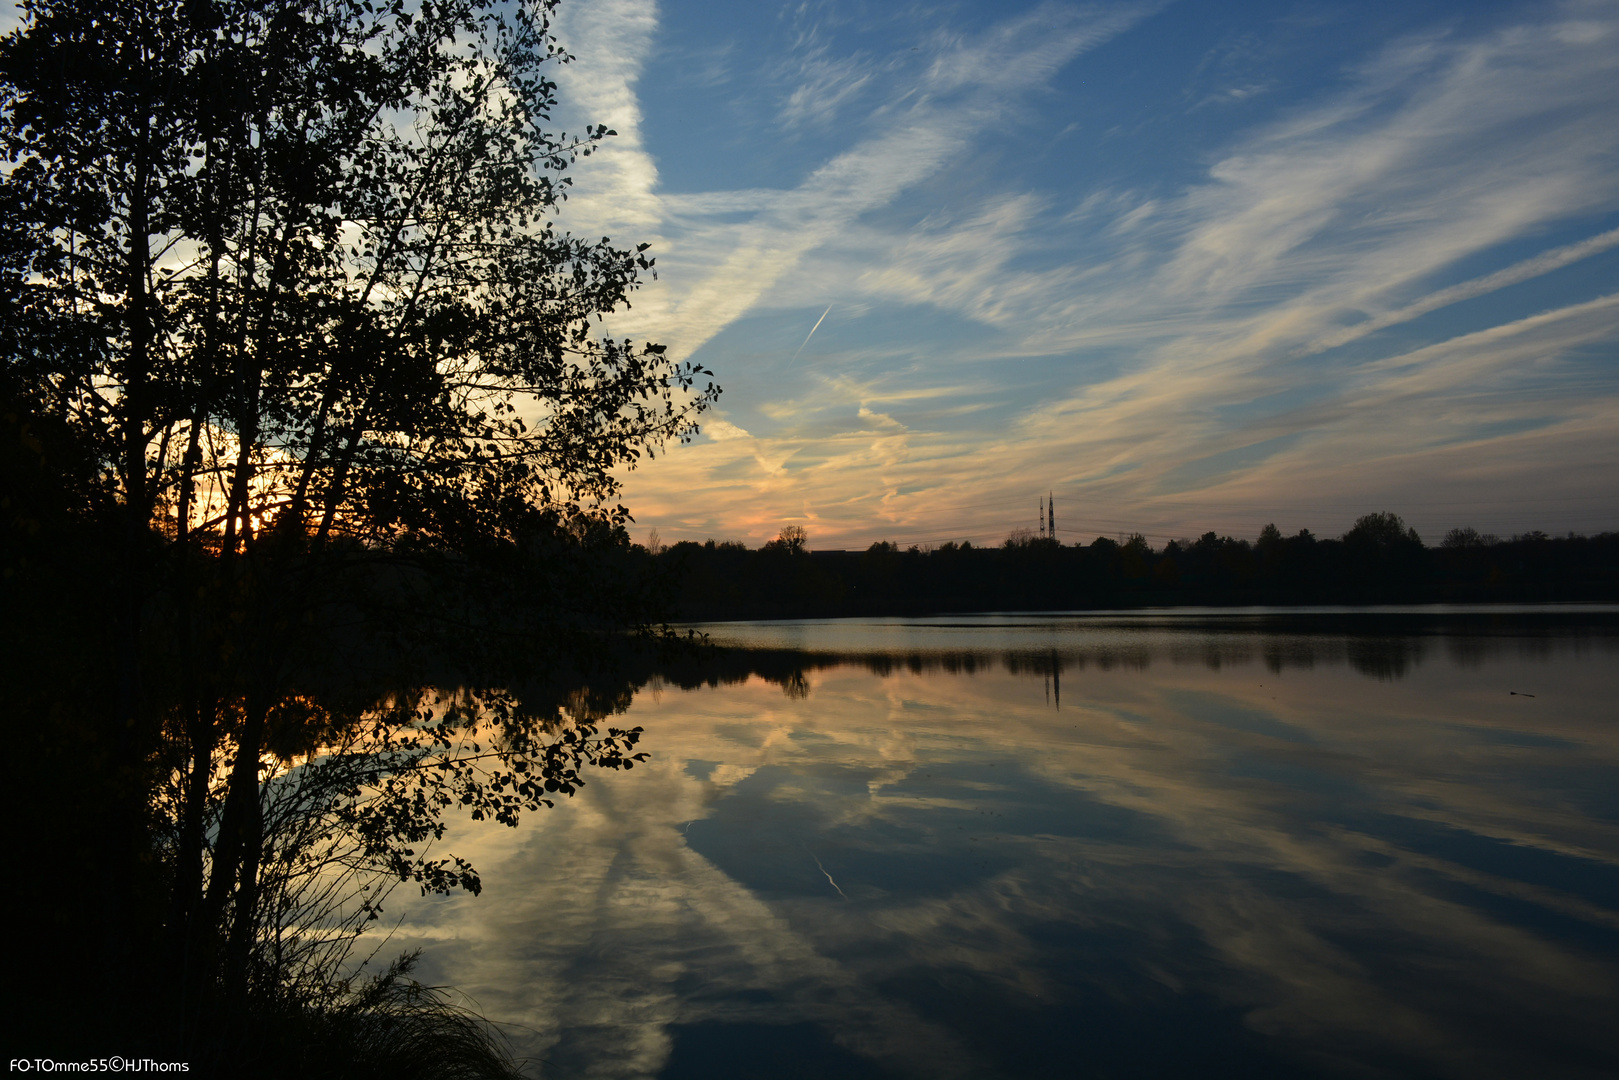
(1188, 265)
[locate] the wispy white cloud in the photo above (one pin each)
(1441, 150)
(1525, 270)
(1173, 320)
(716, 271)
(723, 430)
(610, 40)
(826, 85)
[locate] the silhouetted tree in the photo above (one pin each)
(1386, 531)
(279, 276)
(1468, 537)
(1027, 573)
(1385, 558)
(792, 539)
(290, 263)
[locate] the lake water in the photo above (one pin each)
(1184, 844)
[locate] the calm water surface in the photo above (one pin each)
(1186, 844)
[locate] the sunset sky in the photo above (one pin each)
(1187, 265)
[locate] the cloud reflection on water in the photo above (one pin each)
(1218, 856)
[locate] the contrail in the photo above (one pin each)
(811, 334)
(812, 854)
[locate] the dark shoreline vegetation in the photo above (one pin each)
(1379, 561)
(311, 448)
(402, 693)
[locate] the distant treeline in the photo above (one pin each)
(1379, 561)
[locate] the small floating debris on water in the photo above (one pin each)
(1514, 693)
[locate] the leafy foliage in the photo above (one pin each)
(292, 262)
(289, 332)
